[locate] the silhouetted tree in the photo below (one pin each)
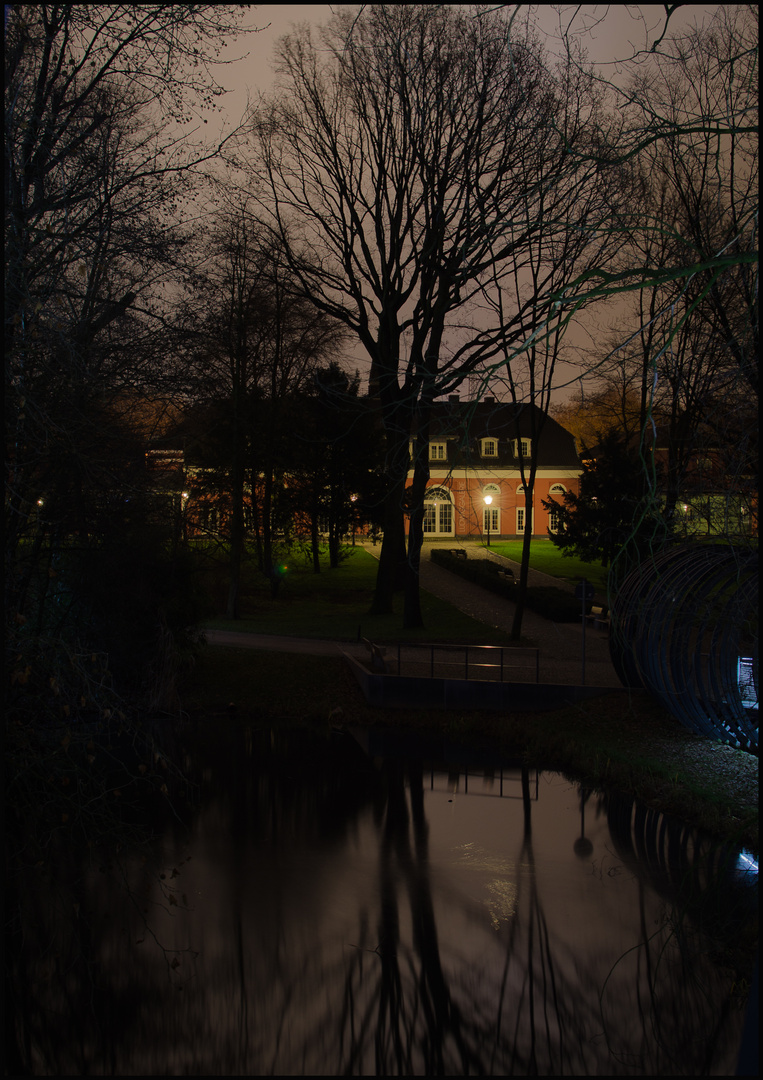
(615, 508)
(411, 153)
(253, 344)
(336, 454)
(96, 173)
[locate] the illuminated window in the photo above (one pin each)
(522, 445)
(490, 522)
(489, 447)
(438, 451)
(438, 512)
(554, 524)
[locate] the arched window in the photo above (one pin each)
(554, 525)
(438, 512)
(523, 522)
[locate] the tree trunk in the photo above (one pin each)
(236, 537)
(315, 542)
(516, 626)
(336, 520)
(389, 576)
(335, 540)
(256, 519)
(267, 521)
(412, 616)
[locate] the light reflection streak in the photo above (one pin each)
(397, 935)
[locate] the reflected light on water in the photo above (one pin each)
(325, 912)
(747, 863)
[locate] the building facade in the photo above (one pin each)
(480, 455)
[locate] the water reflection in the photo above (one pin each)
(329, 912)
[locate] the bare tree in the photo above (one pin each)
(689, 264)
(593, 415)
(697, 92)
(563, 238)
(689, 102)
(98, 161)
(399, 162)
(254, 346)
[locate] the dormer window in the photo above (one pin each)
(523, 446)
(438, 451)
(489, 447)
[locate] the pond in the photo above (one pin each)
(375, 903)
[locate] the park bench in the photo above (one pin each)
(599, 616)
(458, 553)
(506, 575)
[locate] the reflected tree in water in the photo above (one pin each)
(319, 931)
(409, 1008)
(685, 1004)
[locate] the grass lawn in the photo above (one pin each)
(334, 604)
(549, 560)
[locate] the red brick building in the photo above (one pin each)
(480, 449)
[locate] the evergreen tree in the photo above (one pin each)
(616, 507)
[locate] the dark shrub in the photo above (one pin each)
(546, 600)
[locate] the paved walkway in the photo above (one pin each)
(560, 644)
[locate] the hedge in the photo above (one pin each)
(546, 600)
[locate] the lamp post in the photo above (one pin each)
(184, 497)
(488, 501)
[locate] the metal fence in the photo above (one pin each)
(497, 663)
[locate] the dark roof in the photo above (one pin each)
(464, 423)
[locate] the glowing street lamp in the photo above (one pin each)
(488, 501)
(353, 500)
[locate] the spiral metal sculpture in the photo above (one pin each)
(684, 626)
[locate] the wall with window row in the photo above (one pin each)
(457, 506)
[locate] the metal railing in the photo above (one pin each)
(474, 657)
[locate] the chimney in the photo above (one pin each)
(453, 399)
